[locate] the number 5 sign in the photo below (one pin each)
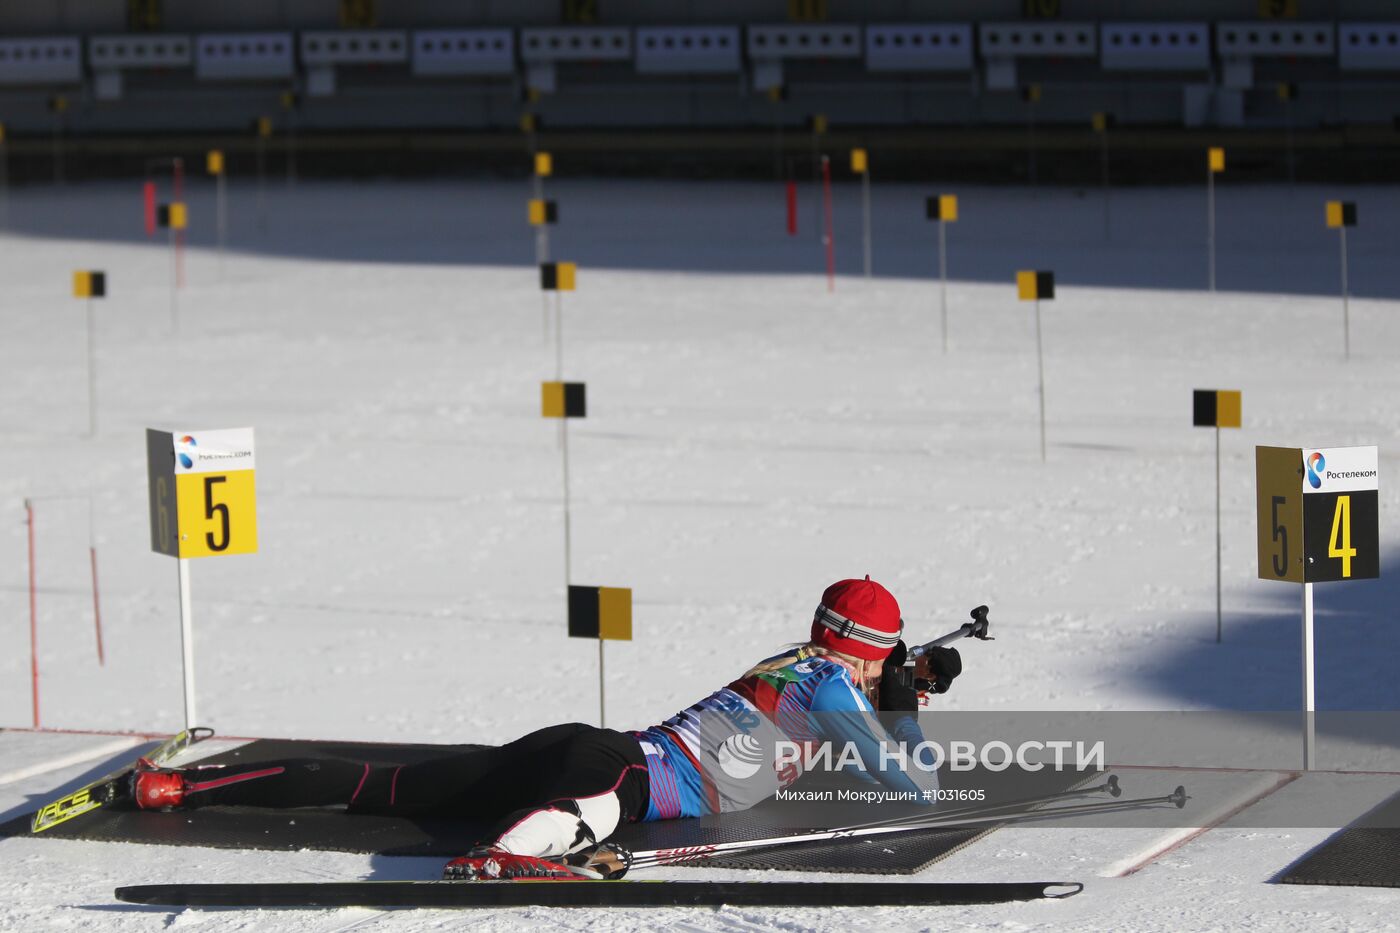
(202, 504)
(202, 492)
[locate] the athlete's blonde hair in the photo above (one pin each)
(800, 652)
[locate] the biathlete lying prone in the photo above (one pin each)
(561, 791)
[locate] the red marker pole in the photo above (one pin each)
(792, 208)
(33, 614)
(829, 236)
(96, 599)
(148, 193)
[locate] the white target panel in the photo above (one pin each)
(578, 44)
(687, 49)
(126, 52)
(1037, 40)
(248, 55)
(354, 47)
(803, 41)
(1154, 46)
(41, 61)
(919, 47)
(1263, 39)
(1369, 46)
(463, 52)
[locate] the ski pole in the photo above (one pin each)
(977, 628)
(1110, 786)
(655, 857)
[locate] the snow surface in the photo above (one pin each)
(750, 439)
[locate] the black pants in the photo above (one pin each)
(500, 784)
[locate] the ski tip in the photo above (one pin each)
(134, 894)
(1059, 890)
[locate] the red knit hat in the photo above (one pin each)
(859, 618)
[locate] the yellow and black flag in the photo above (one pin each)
(543, 212)
(173, 215)
(1341, 213)
(1030, 93)
(942, 207)
(89, 285)
(600, 612)
(1103, 121)
(563, 400)
(544, 164)
(1215, 408)
(558, 276)
(1035, 286)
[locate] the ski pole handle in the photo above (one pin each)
(977, 628)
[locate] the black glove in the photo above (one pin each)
(944, 664)
(897, 692)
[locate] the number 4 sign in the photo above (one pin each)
(1318, 513)
(1318, 523)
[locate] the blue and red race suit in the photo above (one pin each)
(735, 748)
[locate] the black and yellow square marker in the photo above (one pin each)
(860, 161)
(777, 93)
(1103, 121)
(558, 276)
(1287, 91)
(2, 133)
(942, 207)
(1341, 213)
(1215, 408)
(262, 126)
(1030, 93)
(58, 104)
(1215, 159)
(1035, 286)
(544, 164)
(543, 212)
(172, 215)
(817, 123)
(603, 612)
(89, 284)
(214, 162)
(563, 400)
(529, 122)
(289, 100)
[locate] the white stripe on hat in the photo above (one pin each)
(850, 628)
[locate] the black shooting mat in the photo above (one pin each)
(1361, 855)
(331, 829)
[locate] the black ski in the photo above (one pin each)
(587, 893)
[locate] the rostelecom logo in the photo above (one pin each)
(186, 460)
(1316, 465)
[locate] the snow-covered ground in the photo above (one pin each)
(750, 438)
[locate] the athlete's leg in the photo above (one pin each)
(290, 782)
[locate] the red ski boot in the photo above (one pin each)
(156, 788)
(491, 864)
